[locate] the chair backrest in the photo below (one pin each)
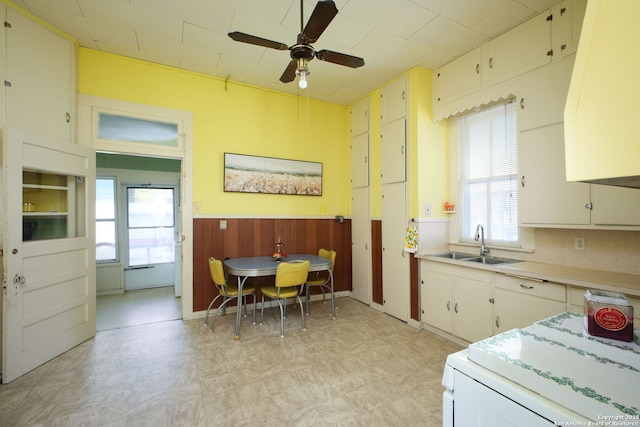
(329, 254)
(217, 272)
(292, 273)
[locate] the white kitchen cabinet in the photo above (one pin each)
(543, 93)
(520, 49)
(545, 196)
(520, 301)
(393, 100)
(395, 262)
(40, 79)
(393, 159)
(359, 117)
(360, 160)
(566, 26)
(457, 300)
(361, 282)
(458, 78)
(615, 206)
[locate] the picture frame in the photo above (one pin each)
(270, 175)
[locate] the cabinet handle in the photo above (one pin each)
(403, 94)
(455, 307)
(589, 206)
(402, 150)
(448, 305)
(497, 321)
(563, 10)
(563, 47)
(490, 62)
(550, 52)
(523, 181)
(522, 285)
(477, 68)
(366, 160)
(522, 103)
(67, 117)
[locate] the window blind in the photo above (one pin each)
(488, 174)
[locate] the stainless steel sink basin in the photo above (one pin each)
(490, 260)
(453, 255)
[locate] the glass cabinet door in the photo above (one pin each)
(50, 206)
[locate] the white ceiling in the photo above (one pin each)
(391, 35)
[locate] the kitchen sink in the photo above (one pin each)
(453, 255)
(490, 260)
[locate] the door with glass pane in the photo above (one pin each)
(49, 259)
(150, 236)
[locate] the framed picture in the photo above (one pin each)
(253, 174)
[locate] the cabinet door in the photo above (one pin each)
(615, 205)
(517, 310)
(545, 195)
(41, 94)
(567, 24)
(360, 244)
(436, 300)
(520, 49)
(393, 152)
(393, 100)
(543, 95)
(458, 78)
(359, 116)
(360, 160)
(472, 310)
(395, 265)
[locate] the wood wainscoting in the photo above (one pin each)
(255, 237)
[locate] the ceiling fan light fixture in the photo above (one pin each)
(303, 72)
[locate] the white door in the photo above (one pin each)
(395, 265)
(49, 251)
(150, 236)
(361, 244)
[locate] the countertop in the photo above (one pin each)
(628, 284)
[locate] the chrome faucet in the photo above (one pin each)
(480, 237)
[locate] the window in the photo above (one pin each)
(106, 248)
(488, 174)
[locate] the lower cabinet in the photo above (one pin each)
(519, 302)
(457, 300)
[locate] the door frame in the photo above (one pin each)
(88, 106)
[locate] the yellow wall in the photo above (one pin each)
(235, 118)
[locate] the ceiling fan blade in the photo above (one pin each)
(340, 58)
(290, 72)
(259, 41)
(320, 19)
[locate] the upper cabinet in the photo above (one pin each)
(393, 100)
(393, 159)
(566, 27)
(458, 78)
(39, 85)
(359, 117)
(601, 141)
(520, 49)
(360, 160)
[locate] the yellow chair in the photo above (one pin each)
(289, 276)
(226, 291)
(322, 278)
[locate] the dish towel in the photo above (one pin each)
(411, 240)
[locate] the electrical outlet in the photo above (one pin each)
(580, 244)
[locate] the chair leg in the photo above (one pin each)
(301, 313)
(281, 316)
(322, 289)
(206, 317)
(254, 308)
(222, 307)
(262, 310)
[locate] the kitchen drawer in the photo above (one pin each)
(459, 271)
(539, 288)
(576, 297)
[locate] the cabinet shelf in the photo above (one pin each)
(42, 214)
(45, 187)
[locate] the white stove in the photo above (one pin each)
(550, 373)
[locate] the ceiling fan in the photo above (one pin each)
(302, 52)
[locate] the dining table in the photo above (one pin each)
(259, 266)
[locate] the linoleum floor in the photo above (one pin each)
(364, 369)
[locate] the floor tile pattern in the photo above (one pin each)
(363, 369)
